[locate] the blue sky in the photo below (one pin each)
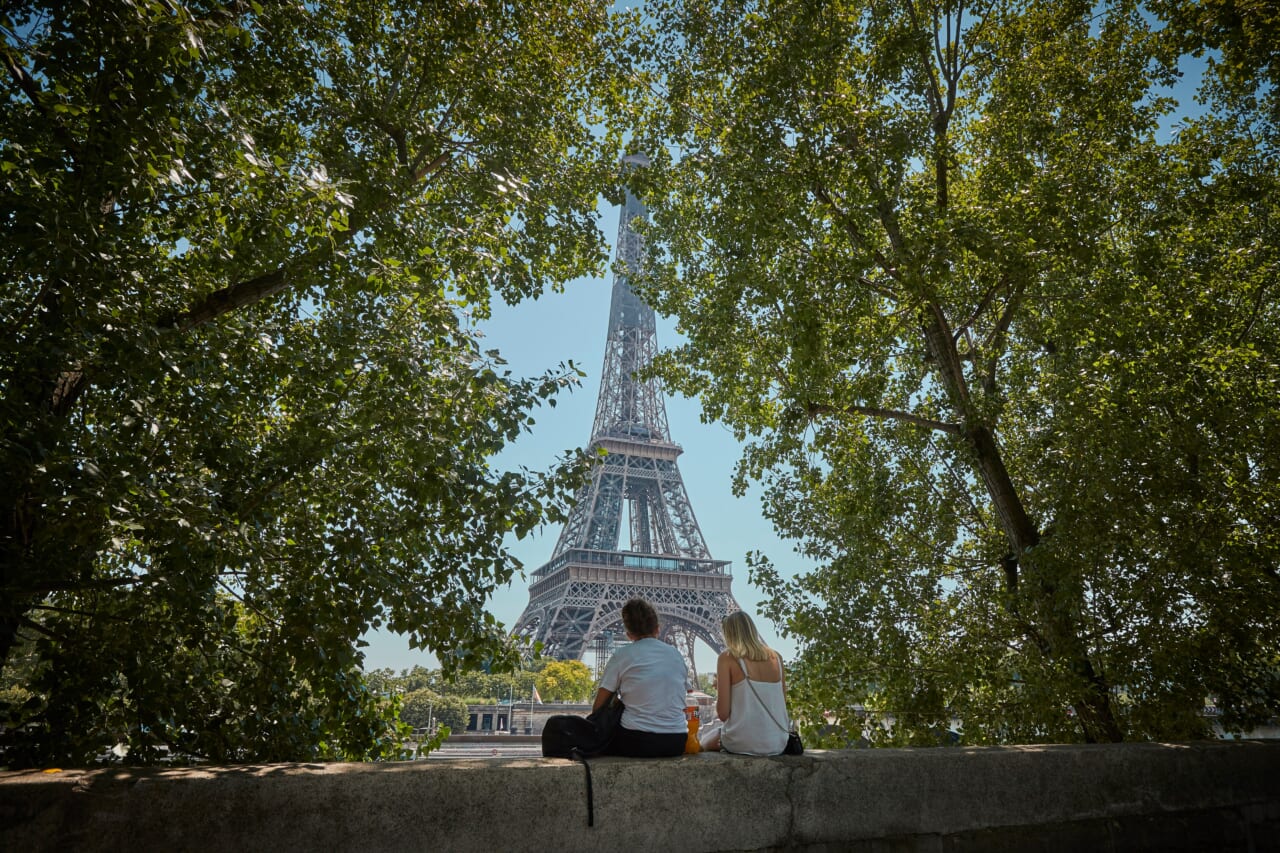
(536, 336)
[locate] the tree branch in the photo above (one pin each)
(815, 409)
(934, 92)
(856, 236)
(236, 296)
(71, 586)
(983, 304)
(995, 341)
(31, 88)
(1258, 303)
(40, 629)
(1272, 573)
(421, 172)
(25, 81)
(243, 293)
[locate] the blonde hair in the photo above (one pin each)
(742, 638)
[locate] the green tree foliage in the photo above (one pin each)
(1007, 356)
(381, 681)
(566, 681)
(419, 678)
(479, 686)
(419, 695)
(423, 708)
(246, 415)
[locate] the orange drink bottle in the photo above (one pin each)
(691, 745)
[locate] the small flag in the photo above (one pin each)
(536, 697)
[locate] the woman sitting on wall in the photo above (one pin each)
(751, 693)
(650, 676)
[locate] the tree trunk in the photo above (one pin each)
(1056, 634)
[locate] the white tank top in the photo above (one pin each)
(750, 730)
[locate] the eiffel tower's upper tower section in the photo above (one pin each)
(638, 490)
(630, 409)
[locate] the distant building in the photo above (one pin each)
(519, 718)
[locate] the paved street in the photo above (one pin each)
(498, 748)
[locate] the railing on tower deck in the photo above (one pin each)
(633, 560)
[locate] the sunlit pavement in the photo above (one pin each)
(497, 749)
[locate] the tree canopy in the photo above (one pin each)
(1002, 335)
(470, 685)
(246, 415)
(424, 709)
(566, 681)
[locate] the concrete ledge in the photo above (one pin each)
(1203, 796)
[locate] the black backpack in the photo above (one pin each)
(589, 735)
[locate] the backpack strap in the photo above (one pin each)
(576, 755)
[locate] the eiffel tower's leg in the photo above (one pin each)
(689, 640)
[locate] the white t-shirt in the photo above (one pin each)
(650, 676)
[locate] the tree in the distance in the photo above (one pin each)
(1008, 361)
(565, 681)
(245, 414)
(424, 708)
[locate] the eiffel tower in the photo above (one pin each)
(576, 597)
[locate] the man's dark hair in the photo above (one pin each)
(640, 618)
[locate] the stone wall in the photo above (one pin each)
(1204, 796)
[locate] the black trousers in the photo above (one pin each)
(647, 744)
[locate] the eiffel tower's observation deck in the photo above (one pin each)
(576, 598)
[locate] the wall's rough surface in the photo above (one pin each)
(1210, 796)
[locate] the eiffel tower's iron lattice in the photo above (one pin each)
(576, 598)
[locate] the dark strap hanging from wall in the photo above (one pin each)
(577, 755)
